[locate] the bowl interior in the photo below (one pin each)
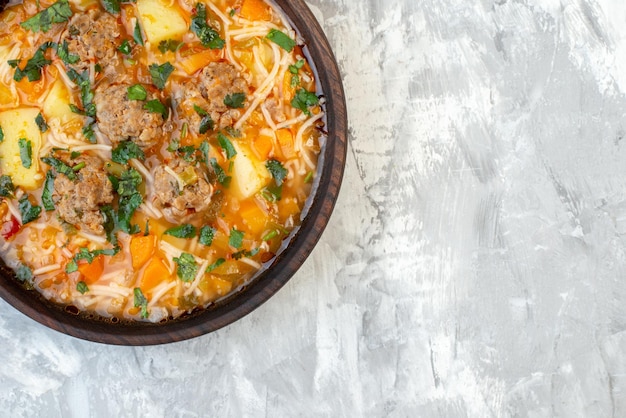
(266, 282)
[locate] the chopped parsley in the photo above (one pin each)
(140, 301)
(236, 238)
(130, 198)
(137, 36)
(24, 273)
(41, 123)
(215, 265)
(277, 171)
(46, 195)
(174, 145)
(169, 45)
(33, 67)
(235, 100)
(89, 256)
(86, 94)
(160, 73)
(222, 178)
(6, 186)
(127, 150)
(26, 152)
(28, 211)
(209, 37)
(181, 231)
(270, 235)
(125, 47)
(111, 6)
(226, 145)
(281, 39)
(155, 106)
(187, 268)
(60, 167)
(207, 234)
(58, 12)
(64, 53)
(82, 287)
(1, 134)
(108, 222)
(204, 150)
(137, 92)
(89, 133)
(206, 124)
(303, 100)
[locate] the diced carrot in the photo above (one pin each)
(141, 249)
(285, 141)
(255, 10)
(155, 273)
(253, 217)
(92, 271)
(288, 90)
(262, 146)
(194, 62)
(287, 207)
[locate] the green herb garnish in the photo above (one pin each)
(6, 186)
(181, 231)
(125, 151)
(82, 287)
(209, 37)
(58, 12)
(26, 152)
(28, 210)
(235, 100)
(41, 123)
(187, 268)
(226, 145)
(207, 234)
(155, 106)
(281, 39)
(236, 238)
(303, 100)
(46, 195)
(160, 73)
(140, 301)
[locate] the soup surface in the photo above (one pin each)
(153, 154)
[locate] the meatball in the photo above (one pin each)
(181, 203)
(94, 36)
(78, 201)
(215, 82)
(121, 119)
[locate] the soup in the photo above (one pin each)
(154, 154)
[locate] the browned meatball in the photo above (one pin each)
(121, 119)
(215, 82)
(94, 36)
(181, 204)
(78, 201)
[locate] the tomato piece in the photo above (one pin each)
(10, 228)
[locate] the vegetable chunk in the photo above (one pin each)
(160, 21)
(19, 124)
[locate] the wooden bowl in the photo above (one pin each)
(266, 282)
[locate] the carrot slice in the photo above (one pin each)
(194, 62)
(262, 145)
(154, 274)
(141, 249)
(285, 141)
(255, 10)
(92, 271)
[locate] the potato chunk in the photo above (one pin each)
(57, 106)
(161, 21)
(249, 174)
(16, 124)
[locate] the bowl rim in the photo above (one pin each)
(265, 284)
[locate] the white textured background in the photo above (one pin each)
(475, 262)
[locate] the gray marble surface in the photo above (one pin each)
(475, 262)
